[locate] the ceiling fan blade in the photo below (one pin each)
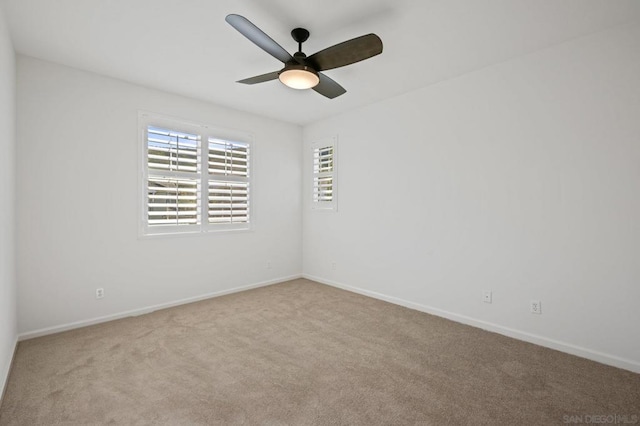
(260, 78)
(258, 37)
(346, 53)
(329, 88)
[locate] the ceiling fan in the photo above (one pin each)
(301, 71)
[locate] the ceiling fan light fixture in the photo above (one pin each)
(299, 77)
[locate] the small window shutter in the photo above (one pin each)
(324, 176)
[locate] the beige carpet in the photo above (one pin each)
(302, 353)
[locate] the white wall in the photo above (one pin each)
(78, 131)
(8, 330)
(522, 178)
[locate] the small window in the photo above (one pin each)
(324, 195)
(194, 180)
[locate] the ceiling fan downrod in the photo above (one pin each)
(300, 35)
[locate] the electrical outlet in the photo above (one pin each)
(99, 293)
(268, 264)
(486, 296)
(334, 265)
(536, 307)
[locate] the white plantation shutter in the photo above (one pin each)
(324, 195)
(173, 201)
(228, 158)
(180, 171)
(171, 150)
(228, 197)
(228, 202)
(173, 178)
(323, 189)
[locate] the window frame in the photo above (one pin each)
(325, 205)
(205, 133)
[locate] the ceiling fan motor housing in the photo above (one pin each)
(300, 35)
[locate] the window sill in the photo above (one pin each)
(169, 235)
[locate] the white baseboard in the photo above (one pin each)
(148, 309)
(6, 371)
(601, 357)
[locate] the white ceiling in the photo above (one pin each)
(186, 47)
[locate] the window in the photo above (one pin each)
(324, 174)
(195, 179)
